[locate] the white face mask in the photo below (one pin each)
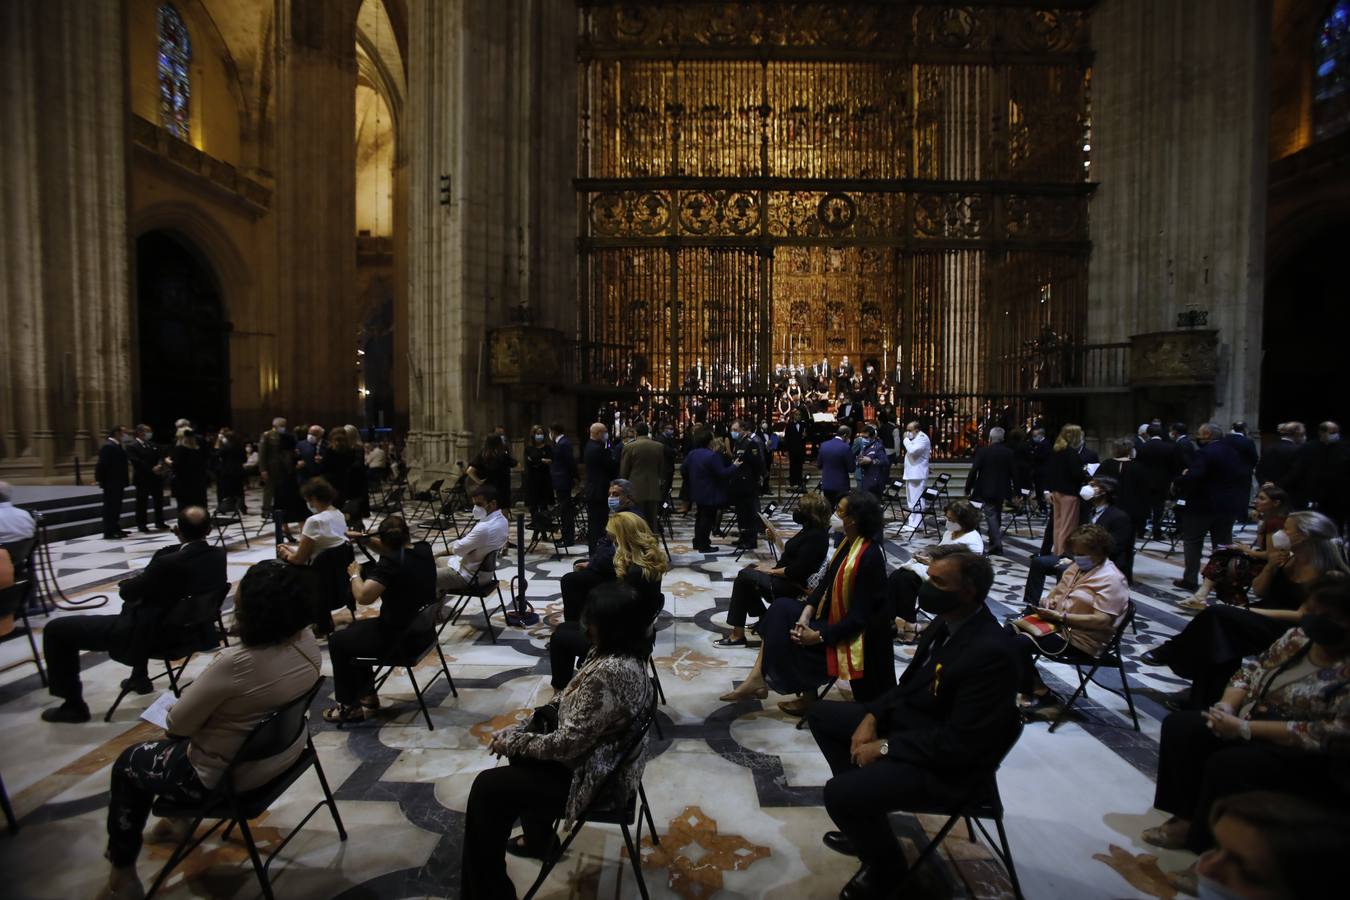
(313, 438)
(311, 508)
(836, 523)
(1280, 540)
(953, 527)
(479, 513)
(1087, 493)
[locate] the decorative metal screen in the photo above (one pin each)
(765, 183)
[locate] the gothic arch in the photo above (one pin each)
(198, 228)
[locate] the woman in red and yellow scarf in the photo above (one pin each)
(842, 630)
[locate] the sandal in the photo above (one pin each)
(1169, 835)
(737, 696)
(1193, 603)
(341, 714)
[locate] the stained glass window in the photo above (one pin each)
(1331, 90)
(174, 55)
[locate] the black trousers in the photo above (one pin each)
(1195, 768)
(567, 511)
(1155, 504)
(597, 514)
(112, 509)
(993, 523)
(747, 518)
(532, 791)
(568, 644)
(705, 517)
(1038, 570)
(753, 591)
(576, 588)
(651, 513)
(149, 491)
(904, 587)
(796, 459)
(1213, 645)
(141, 774)
(64, 638)
(354, 680)
(1197, 525)
(859, 799)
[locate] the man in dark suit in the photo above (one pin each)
(1245, 446)
(1097, 507)
(931, 739)
(601, 469)
(1280, 460)
(146, 465)
(743, 485)
(794, 437)
(1040, 460)
(1157, 461)
(1320, 475)
(1186, 448)
(111, 474)
(309, 454)
(562, 469)
(191, 567)
(990, 483)
(670, 444)
(1217, 489)
(835, 459)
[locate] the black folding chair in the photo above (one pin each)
(651, 664)
(391, 505)
(423, 623)
(19, 592)
(229, 806)
(24, 555)
(795, 494)
(982, 802)
(634, 810)
(1021, 511)
(1110, 658)
(1168, 528)
(332, 586)
(480, 589)
(925, 508)
(819, 694)
(10, 818)
(191, 625)
(426, 500)
(226, 515)
(940, 485)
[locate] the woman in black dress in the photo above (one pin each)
(538, 483)
(1209, 650)
(1130, 491)
(494, 465)
(230, 469)
(188, 460)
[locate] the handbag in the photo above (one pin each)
(1035, 626)
(544, 720)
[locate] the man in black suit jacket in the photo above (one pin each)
(1100, 510)
(192, 567)
(1040, 458)
(1245, 446)
(111, 474)
(1217, 490)
(146, 465)
(601, 468)
(1157, 460)
(991, 483)
(1281, 459)
(931, 739)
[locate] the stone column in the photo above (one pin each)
(1179, 137)
(64, 247)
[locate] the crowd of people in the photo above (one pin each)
(1266, 654)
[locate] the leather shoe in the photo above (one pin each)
(872, 883)
(137, 685)
(839, 843)
(73, 713)
(1185, 585)
(1151, 657)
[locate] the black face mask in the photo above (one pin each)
(798, 517)
(1324, 630)
(934, 600)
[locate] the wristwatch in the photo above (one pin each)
(885, 747)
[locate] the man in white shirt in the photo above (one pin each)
(15, 523)
(488, 535)
(917, 450)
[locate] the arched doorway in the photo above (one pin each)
(184, 336)
(1306, 320)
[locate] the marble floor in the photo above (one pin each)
(735, 789)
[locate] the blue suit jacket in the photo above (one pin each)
(875, 475)
(707, 474)
(835, 461)
(563, 466)
(1217, 481)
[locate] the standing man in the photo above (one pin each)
(643, 463)
(562, 468)
(991, 483)
(1157, 460)
(310, 451)
(1282, 458)
(1040, 460)
(1217, 488)
(743, 486)
(872, 460)
(146, 469)
(270, 464)
(671, 446)
(918, 448)
(835, 459)
(111, 475)
(601, 468)
(794, 437)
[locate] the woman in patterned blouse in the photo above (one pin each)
(557, 772)
(1282, 723)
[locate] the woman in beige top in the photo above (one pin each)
(276, 661)
(1084, 607)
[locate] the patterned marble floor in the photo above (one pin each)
(736, 790)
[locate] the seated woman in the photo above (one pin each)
(325, 528)
(276, 661)
(1210, 649)
(962, 532)
(404, 581)
(1230, 572)
(756, 586)
(555, 772)
(639, 562)
(1282, 724)
(843, 630)
(1084, 606)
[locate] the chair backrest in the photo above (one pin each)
(631, 750)
(1113, 645)
(330, 570)
(278, 730)
(21, 556)
(435, 487)
(228, 508)
(944, 477)
(189, 624)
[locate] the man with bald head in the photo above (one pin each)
(602, 467)
(190, 567)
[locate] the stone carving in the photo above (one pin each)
(1174, 358)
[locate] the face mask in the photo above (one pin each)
(934, 600)
(668, 433)
(539, 438)
(604, 436)
(953, 527)
(1083, 563)
(798, 517)
(1332, 438)
(1087, 492)
(735, 435)
(1280, 540)
(836, 523)
(479, 513)
(311, 508)
(613, 504)
(1209, 889)
(312, 439)
(1323, 630)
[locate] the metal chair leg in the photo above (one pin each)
(1007, 858)
(1129, 700)
(258, 867)
(417, 691)
(635, 858)
(328, 795)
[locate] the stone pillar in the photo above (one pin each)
(64, 246)
(1179, 136)
(315, 207)
(492, 105)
